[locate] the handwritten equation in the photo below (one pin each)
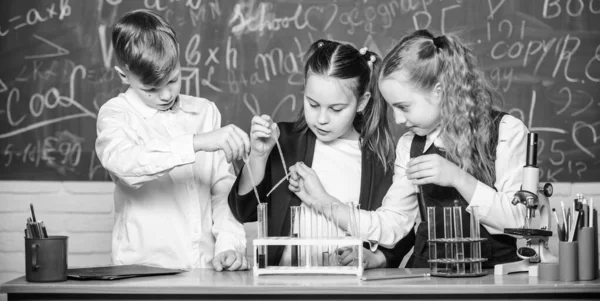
(542, 58)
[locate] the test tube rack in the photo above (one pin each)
(450, 267)
(308, 267)
(455, 263)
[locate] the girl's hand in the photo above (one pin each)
(305, 183)
(433, 169)
(263, 135)
(371, 260)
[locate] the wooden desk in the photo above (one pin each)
(207, 284)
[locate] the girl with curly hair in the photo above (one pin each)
(457, 148)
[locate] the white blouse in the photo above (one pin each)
(495, 207)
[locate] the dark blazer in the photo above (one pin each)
(297, 146)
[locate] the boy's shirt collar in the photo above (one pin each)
(139, 105)
(187, 104)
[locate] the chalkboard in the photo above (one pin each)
(542, 57)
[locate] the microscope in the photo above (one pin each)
(534, 197)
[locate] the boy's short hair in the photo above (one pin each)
(146, 44)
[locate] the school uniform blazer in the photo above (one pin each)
(300, 146)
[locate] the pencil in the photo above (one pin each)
(555, 216)
(586, 214)
(591, 209)
(32, 212)
(565, 225)
(44, 232)
(395, 277)
(574, 229)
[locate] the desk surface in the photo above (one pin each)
(206, 283)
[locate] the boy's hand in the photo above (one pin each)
(263, 135)
(230, 139)
(305, 183)
(230, 260)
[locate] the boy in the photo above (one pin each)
(163, 152)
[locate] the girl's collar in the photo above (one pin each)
(432, 139)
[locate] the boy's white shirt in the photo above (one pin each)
(171, 205)
(495, 208)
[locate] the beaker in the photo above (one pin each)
(475, 234)
(263, 221)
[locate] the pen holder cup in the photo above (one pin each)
(567, 260)
(46, 259)
(586, 253)
(548, 271)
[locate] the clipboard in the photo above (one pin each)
(115, 272)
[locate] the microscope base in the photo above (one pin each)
(514, 267)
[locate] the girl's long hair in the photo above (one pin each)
(357, 72)
(466, 101)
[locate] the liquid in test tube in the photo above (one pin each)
(354, 226)
(314, 217)
(335, 232)
(432, 235)
(326, 231)
(448, 247)
(475, 234)
(458, 233)
(295, 224)
(262, 233)
(306, 250)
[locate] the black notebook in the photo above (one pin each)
(114, 272)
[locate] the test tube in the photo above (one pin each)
(306, 250)
(263, 221)
(449, 248)
(354, 226)
(458, 233)
(326, 232)
(295, 226)
(314, 218)
(432, 235)
(318, 236)
(335, 233)
(475, 246)
(353, 223)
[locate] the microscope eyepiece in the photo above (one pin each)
(532, 141)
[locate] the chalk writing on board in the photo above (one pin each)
(35, 16)
(542, 58)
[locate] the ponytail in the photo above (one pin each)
(466, 101)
